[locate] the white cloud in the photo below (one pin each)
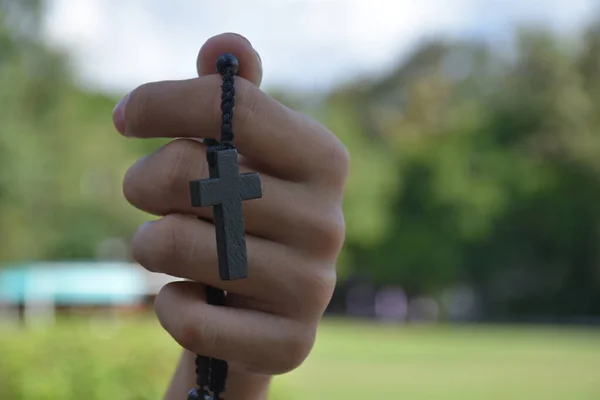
(303, 43)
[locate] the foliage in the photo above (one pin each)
(60, 162)
(132, 359)
(98, 360)
(469, 166)
(490, 165)
(105, 358)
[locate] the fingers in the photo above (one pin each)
(240, 336)
(250, 63)
(276, 139)
(159, 184)
(286, 143)
(295, 230)
(185, 247)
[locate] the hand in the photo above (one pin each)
(294, 233)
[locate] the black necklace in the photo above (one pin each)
(224, 190)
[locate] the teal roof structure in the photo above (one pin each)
(73, 283)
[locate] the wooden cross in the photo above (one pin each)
(225, 189)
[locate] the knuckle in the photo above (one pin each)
(295, 349)
(179, 156)
(330, 232)
(187, 325)
(318, 287)
(248, 101)
(194, 333)
(212, 100)
(338, 163)
(155, 182)
(335, 231)
(323, 287)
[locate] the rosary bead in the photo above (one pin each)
(227, 60)
(196, 394)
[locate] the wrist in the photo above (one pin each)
(240, 385)
(246, 386)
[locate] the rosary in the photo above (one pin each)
(224, 190)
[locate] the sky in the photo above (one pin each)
(306, 45)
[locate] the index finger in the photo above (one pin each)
(278, 140)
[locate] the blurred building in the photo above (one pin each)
(38, 291)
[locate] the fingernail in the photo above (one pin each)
(145, 225)
(119, 115)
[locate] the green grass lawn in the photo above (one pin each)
(133, 359)
(360, 361)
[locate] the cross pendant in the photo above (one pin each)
(224, 190)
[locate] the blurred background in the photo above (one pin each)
(472, 263)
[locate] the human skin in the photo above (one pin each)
(294, 232)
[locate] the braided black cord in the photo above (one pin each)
(218, 368)
(211, 373)
(227, 104)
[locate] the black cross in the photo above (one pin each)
(225, 190)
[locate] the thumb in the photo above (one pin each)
(250, 63)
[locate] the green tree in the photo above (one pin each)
(493, 179)
(61, 163)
